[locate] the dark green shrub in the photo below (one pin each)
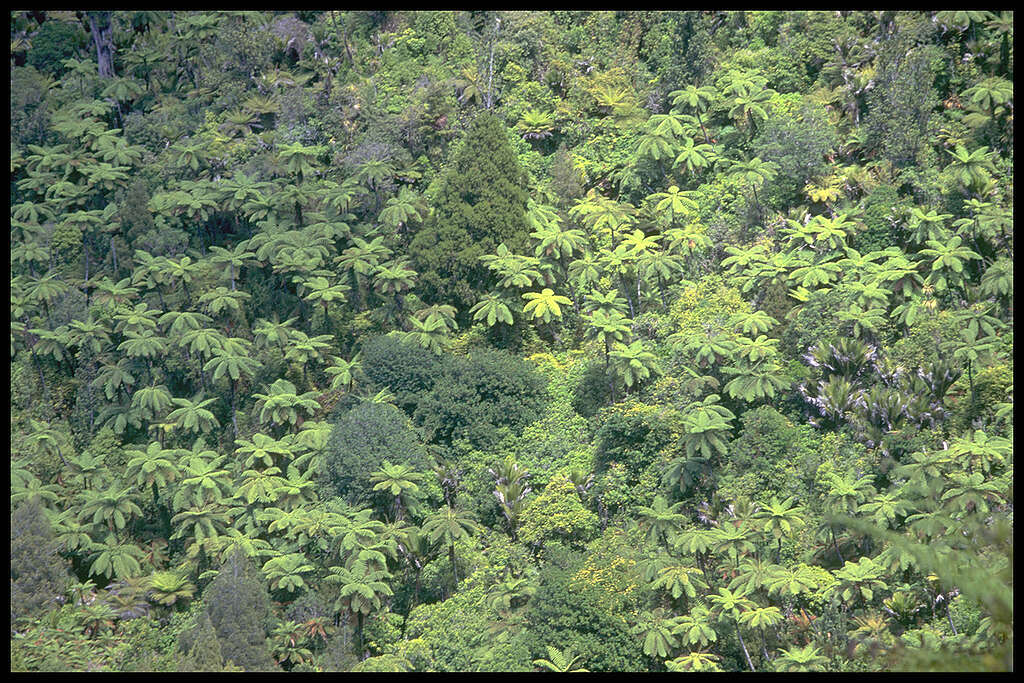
(481, 203)
(770, 447)
(54, 42)
(563, 615)
(406, 370)
(474, 397)
(238, 607)
(880, 218)
(593, 391)
(632, 437)
(362, 439)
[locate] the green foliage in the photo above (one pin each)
(797, 143)
(455, 632)
(54, 42)
(577, 620)
(592, 392)
(813, 322)
(480, 203)
(238, 607)
(632, 435)
(752, 277)
(475, 397)
(28, 115)
(901, 101)
(361, 440)
(38, 574)
(407, 370)
(200, 647)
(778, 454)
(557, 514)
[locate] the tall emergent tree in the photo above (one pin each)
(238, 605)
(481, 204)
(38, 575)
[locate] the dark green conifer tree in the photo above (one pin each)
(201, 646)
(481, 203)
(238, 607)
(38, 574)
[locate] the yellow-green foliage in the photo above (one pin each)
(612, 573)
(708, 302)
(221, 149)
(557, 514)
(447, 634)
(382, 631)
(993, 383)
(922, 342)
(824, 578)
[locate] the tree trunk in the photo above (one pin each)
(703, 566)
(455, 570)
(342, 38)
(1004, 55)
(707, 138)
(234, 414)
(554, 335)
(970, 380)
(490, 65)
(103, 38)
(948, 615)
(39, 367)
(835, 544)
(85, 255)
(629, 299)
(359, 628)
(744, 646)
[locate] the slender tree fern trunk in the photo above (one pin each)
(743, 645)
(835, 544)
(629, 299)
(707, 138)
(234, 412)
(455, 569)
(359, 630)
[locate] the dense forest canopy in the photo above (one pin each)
(511, 341)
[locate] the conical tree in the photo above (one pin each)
(201, 647)
(481, 204)
(38, 574)
(238, 607)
